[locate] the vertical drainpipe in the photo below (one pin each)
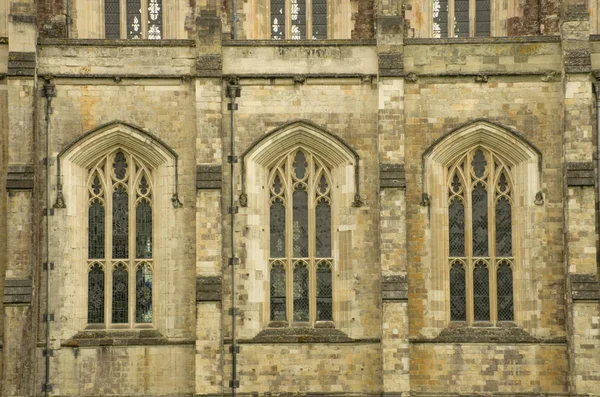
(49, 93)
(233, 91)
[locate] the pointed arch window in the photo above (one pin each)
(301, 260)
(133, 19)
(120, 225)
(480, 254)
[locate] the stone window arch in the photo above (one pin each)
(114, 181)
(482, 182)
(298, 179)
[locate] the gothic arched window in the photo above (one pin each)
(299, 19)
(125, 19)
(300, 239)
(120, 225)
(480, 253)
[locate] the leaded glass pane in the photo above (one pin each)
(503, 227)
(481, 293)
(278, 19)
(456, 226)
(120, 295)
(278, 293)
(120, 223)
(440, 18)
(96, 295)
(324, 293)
(300, 293)
(96, 230)
(154, 19)
(505, 293)
(300, 165)
(319, 19)
(482, 18)
(461, 18)
(112, 19)
(480, 221)
(298, 19)
(479, 163)
(120, 165)
(458, 293)
(323, 229)
(143, 294)
(143, 230)
(277, 229)
(300, 225)
(134, 19)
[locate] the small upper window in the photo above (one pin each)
(471, 18)
(299, 19)
(133, 19)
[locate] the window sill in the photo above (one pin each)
(302, 335)
(485, 332)
(119, 337)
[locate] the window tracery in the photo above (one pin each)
(120, 225)
(480, 236)
(300, 239)
(133, 19)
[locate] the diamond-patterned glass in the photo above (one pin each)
(440, 18)
(300, 292)
(298, 13)
(323, 229)
(112, 19)
(503, 228)
(479, 163)
(480, 220)
(456, 226)
(300, 225)
(143, 294)
(277, 19)
(458, 293)
(319, 19)
(277, 229)
(481, 292)
(96, 230)
(324, 309)
(505, 292)
(300, 165)
(134, 19)
(143, 230)
(461, 18)
(120, 165)
(120, 295)
(278, 293)
(482, 18)
(120, 223)
(96, 295)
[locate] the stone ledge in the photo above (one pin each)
(208, 177)
(17, 292)
(391, 65)
(584, 287)
(150, 337)
(21, 64)
(484, 40)
(580, 174)
(20, 177)
(392, 176)
(208, 289)
(394, 288)
(298, 43)
(508, 333)
(302, 335)
(209, 65)
(117, 43)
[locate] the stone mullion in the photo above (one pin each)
(312, 236)
(289, 239)
(108, 243)
(492, 239)
(469, 238)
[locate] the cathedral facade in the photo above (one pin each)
(299, 197)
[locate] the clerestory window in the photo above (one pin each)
(299, 19)
(300, 259)
(120, 242)
(461, 18)
(480, 239)
(133, 19)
